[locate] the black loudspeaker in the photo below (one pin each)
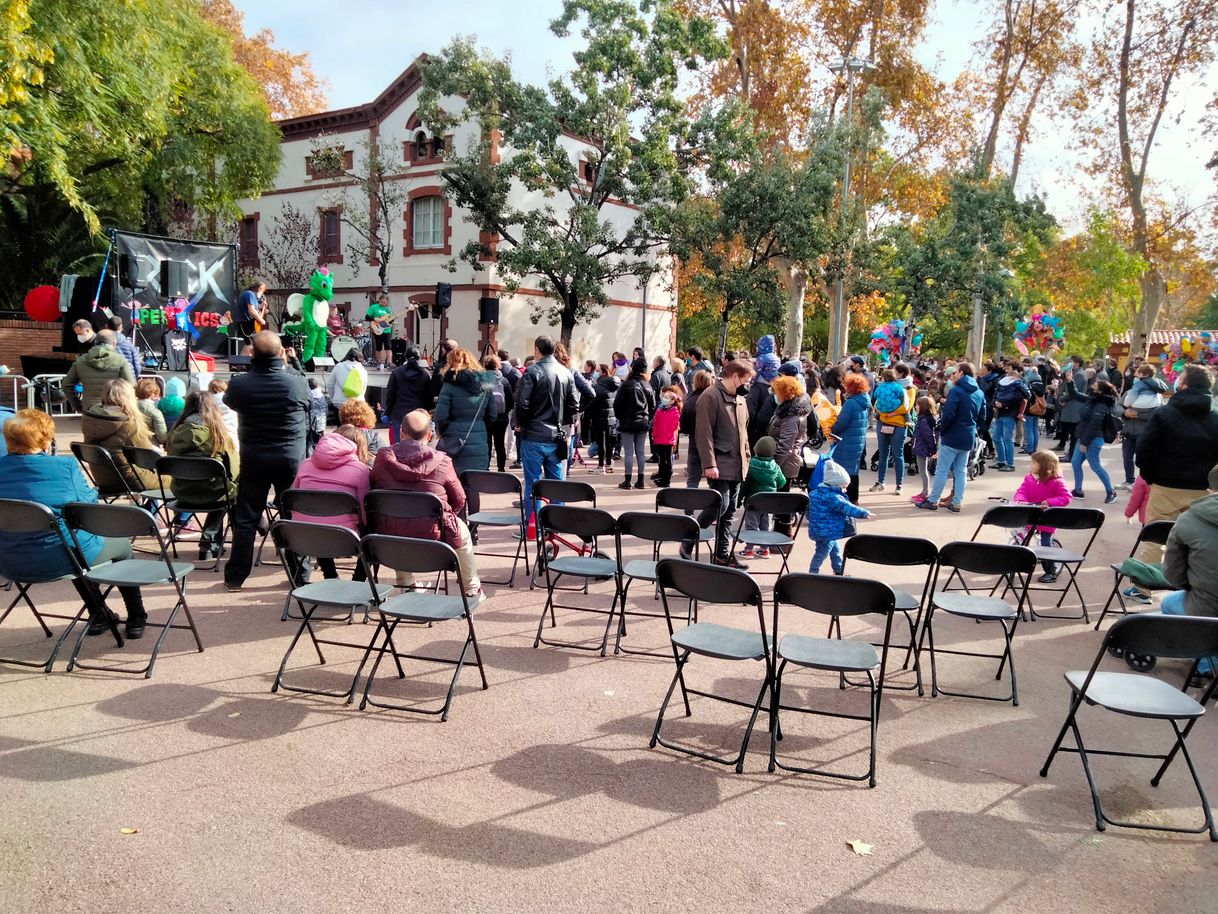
(444, 295)
(239, 363)
(174, 279)
(488, 311)
(128, 272)
(398, 349)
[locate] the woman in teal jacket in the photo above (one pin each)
(465, 405)
(850, 430)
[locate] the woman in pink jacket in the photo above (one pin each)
(1044, 486)
(339, 463)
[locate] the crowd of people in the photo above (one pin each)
(754, 423)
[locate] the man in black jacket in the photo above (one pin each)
(272, 406)
(546, 404)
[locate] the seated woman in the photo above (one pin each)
(339, 463)
(201, 432)
(359, 414)
(115, 423)
(30, 473)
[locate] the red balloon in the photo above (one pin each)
(42, 304)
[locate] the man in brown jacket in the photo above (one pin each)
(721, 436)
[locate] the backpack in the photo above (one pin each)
(498, 396)
(353, 384)
(1110, 428)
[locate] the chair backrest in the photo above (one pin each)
(321, 541)
(988, 558)
(708, 583)
(1181, 637)
(585, 523)
(1072, 518)
(94, 457)
(778, 503)
(657, 528)
(194, 469)
(402, 505)
(884, 549)
(143, 457)
(688, 499)
(831, 595)
(318, 503)
(477, 483)
(1157, 532)
(564, 491)
(402, 553)
(1009, 516)
(116, 521)
(25, 518)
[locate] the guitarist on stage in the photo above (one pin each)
(380, 324)
(251, 309)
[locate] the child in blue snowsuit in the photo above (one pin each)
(828, 508)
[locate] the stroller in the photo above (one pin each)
(976, 459)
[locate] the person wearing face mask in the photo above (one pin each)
(85, 337)
(664, 426)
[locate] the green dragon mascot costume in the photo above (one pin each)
(314, 313)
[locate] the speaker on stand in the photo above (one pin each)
(175, 279)
(488, 311)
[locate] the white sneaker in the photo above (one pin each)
(477, 598)
(878, 487)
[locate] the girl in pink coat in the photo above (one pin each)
(1139, 497)
(338, 464)
(1044, 486)
(664, 426)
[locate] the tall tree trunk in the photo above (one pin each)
(726, 318)
(795, 279)
(1154, 297)
(1021, 136)
(567, 324)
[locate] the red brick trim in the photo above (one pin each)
(491, 240)
(428, 156)
(417, 193)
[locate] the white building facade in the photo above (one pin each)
(431, 232)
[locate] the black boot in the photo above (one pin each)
(100, 624)
(638, 483)
(624, 484)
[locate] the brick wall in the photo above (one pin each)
(18, 338)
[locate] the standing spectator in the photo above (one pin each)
(1143, 398)
(823, 409)
(633, 405)
(501, 392)
(200, 432)
(546, 404)
(1094, 431)
(892, 415)
(831, 384)
(465, 406)
(272, 406)
(760, 401)
(601, 419)
(664, 427)
(723, 451)
(789, 426)
(584, 393)
(511, 374)
(146, 390)
(124, 345)
(408, 389)
(1036, 401)
(414, 465)
(347, 380)
(1071, 395)
(702, 380)
(962, 410)
(437, 371)
(697, 362)
(86, 339)
(114, 423)
(620, 366)
(925, 443)
(987, 382)
(1191, 564)
(661, 377)
(850, 429)
(94, 370)
(1010, 401)
(339, 463)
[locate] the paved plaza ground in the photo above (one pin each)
(540, 794)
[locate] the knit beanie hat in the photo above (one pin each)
(836, 475)
(765, 447)
(790, 368)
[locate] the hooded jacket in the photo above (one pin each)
(601, 411)
(333, 465)
(763, 476)
(1141, 401)
(272, 407)
(93, 370)
(760, 404)
(1010, 398)
(828, 508)
(767, 361)
(851, 431)
(50, 481)
(1095, 411)
(666, 422)
(111, 428)
(925, 436)
(1180, 444)
(1191, 562)
(416, 467)
(963, 409)
(789, 429)
(634, 405)
(191, 438)
(406, 391)
(465, 405)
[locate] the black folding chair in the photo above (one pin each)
(1016, 521)
(207, 470)
(1156, 532)
(897, 551)
(656, 529)
(557, 492)
(318, 503)
(704, 504)
(103, 472)
(294, 538)
(481, 483)
(987, 559)
(145, 458)
(714, 584)
(1069, 560)
(832, 596)
(128, 522)
(774, 504)
(28, 518)
(1138, 695)
(418, 557)
(397, 504)
(590, 525)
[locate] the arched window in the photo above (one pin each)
(420, 145)
(427, 222)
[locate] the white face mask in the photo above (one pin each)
(82, 338)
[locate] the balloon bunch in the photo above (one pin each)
(895, 339)
(1203, 348)
(1039, 332)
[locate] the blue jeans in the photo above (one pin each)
(1004, 440)
(1173, 605)
(953, 462)
(540, 459)
(828, 548)
(1129, 445)
(1090, 453)
(894, 444)
(1031, 433)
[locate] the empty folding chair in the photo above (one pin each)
(558, 492)
(293, 538)
(320, 506)
(703, 504)
(419, 515)
(718, 585)
(1155, 532)
(209, 474)
(590, 526)
(835, 597)
(657, 530)
(1138, 695)
(419, 557)
(1018, 562)
(898, 551)
(772, 504)
(28, 518)
(1068, 559)
(128, 522)
(1015, 522)
(481, 483)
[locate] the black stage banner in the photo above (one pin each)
(211, 271)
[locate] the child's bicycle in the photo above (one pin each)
(549, 545)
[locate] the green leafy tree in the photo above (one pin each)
(622, 102)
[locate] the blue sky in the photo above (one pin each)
(360, 50)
